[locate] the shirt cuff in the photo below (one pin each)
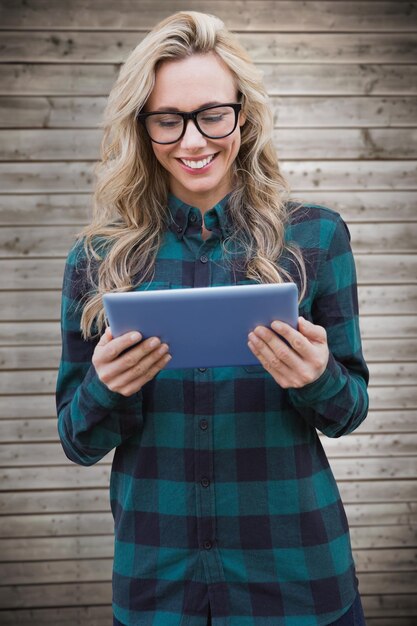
(331, 381)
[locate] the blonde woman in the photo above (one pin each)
(226, 511)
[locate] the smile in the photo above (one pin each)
(198, 165)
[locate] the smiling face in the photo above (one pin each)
(199, 169)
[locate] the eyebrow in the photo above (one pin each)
(175, 110)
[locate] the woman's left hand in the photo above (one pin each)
(295, 365)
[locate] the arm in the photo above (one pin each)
(323, 367)
(92, 419)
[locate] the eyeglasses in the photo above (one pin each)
(214, 122)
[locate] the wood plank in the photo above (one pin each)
(44, 358)
(77, 616)
(24, 407)
(391, 397)
(291, 79)
(293, 143)
(67, 594)
(45, 305)
(47, 273)
(101, 569)
(354, 206)
(47, 573)
(302, 175)
(70, 476)
(308, 111)
(372, 445)
(67, 476)
(104, 47)
(373, 468)
(80, 500)
(75, 209)
(93, 500)
(390, 605)
(389, 421)
(38, 333)
(364, 537)
(253, 15)
(388, 621)
(395, 451)
(76, 594)
(382, 583)
(60, 524)
(53, 241)
(101, 546)
(101, 523)
(57, 548)
(49, 333)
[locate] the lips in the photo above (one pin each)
(198, 164)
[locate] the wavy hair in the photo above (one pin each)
(130, 211)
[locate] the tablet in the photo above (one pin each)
(203, 326)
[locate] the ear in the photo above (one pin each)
(242, 118)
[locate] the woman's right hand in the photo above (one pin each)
(127, 373)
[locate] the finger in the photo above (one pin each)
(314, 332)
(270, 342)
(298, 342)
(137, 384)
(130, 358)
(145, 359)
(144, 370)
(116, 346)
(105, 337)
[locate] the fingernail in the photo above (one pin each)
(135, 336)
(154, 342)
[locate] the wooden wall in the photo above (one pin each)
(342, 76)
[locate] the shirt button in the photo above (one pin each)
(205, 482)
(207, 545)
(193, 218)
(202, 369)
(203, 258)
(179, 229)
(203, 424)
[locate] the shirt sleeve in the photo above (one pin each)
(92, 420)
(337, 402)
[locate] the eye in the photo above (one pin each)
(166, 121)
(213, 117)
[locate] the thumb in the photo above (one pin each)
(311, 331)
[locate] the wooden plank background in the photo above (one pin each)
(342, 81)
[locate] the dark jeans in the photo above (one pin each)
(354, 617)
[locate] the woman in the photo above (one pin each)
(225, 508)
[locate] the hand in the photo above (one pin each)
(127, 373)
(295, 365)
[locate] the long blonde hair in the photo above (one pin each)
(130, 201)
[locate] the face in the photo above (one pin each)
(186, 85)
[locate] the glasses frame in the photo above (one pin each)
(192, 115)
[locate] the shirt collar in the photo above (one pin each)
(184, 216)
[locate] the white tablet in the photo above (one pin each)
(203, 326)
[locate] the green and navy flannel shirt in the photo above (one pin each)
(220, 489)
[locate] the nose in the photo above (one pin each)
(192, 139)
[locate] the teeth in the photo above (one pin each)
(196, 165)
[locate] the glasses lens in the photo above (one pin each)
(164, 127)
(217, 122)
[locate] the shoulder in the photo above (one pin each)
(314, 224)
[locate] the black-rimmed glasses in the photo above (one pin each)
(214, 122)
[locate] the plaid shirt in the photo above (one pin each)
(220, 489)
